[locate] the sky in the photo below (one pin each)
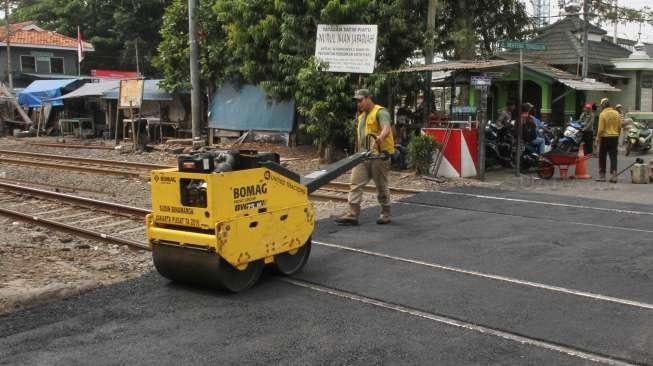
(624, 30)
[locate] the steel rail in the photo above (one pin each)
(567, 349)
(118, 163)
(79, 168)
(368, 188)
(326, 197)
(110, 207)
(73, 229)
(57, 188)
(71, 146)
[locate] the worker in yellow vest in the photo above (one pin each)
(607, 138)
(375, 120)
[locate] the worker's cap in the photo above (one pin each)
(605, 101)
(362, 93)
(588, 105)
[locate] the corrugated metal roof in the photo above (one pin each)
(563, 47)
(151, 91)
(572, 23)
(549, 71)
(588, 85)
(92, 89)
(459, 65)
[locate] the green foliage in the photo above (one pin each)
(317, 93)
(608, 11)
(420, 153)
(468, 29)
(113, 27)
(271, 43)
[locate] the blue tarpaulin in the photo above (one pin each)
(248, 108)
(151, 91)
(41, 90)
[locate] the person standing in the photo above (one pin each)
(506, 115)
(625, 125)
(371, 119)
(607, 138)
(539, 142)
(587, 120)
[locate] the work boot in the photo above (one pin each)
(601, 178)
(350, 217)
(384, 217)
(613, 178)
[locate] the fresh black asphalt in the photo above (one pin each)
(602, 251)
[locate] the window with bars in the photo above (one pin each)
(56, 65)
(27, 63)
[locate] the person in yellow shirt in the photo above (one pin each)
(370, 119)
(607, 138)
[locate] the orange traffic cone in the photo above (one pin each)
(581, 165)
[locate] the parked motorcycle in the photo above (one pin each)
(529, 158)
(638, 138)
(498, 145)
(571, 137)
(500, 148)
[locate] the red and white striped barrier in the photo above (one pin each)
(460, 155)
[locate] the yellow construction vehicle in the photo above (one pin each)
(220, 217)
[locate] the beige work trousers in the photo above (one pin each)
(376, 170)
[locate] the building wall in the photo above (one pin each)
(646, 94)
(69, 59)
(628, 94)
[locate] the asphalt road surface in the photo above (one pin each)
(467, 277)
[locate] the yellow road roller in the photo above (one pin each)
(221, 216)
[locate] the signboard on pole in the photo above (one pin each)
(347, 47)
(481, 82)
(523, 45)
(130, 93)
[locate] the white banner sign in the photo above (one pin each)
(347, 47)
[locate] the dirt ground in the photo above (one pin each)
(38, 264)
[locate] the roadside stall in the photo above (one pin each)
(456, 123)
(159, 110)
(39, 98)
(88, 113)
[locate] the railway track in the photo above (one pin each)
(72, 146)
(119, 224)
(102, 166)
(100, 220)
(336, 190)
(31, 201)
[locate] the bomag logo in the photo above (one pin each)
(253, 190)
(167, 180)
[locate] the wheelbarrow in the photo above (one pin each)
(546, 166)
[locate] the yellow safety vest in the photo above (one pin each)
(372, 126)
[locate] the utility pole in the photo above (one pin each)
(616, 20)
(586, 48)
(428, 55)
(194, 70)
(138, 69)
(520, 119)
(10, 76)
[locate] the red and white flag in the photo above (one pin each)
(80, 47)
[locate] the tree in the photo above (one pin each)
(620, 13)
(113, 27)
(271, 43)
(469, 29)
